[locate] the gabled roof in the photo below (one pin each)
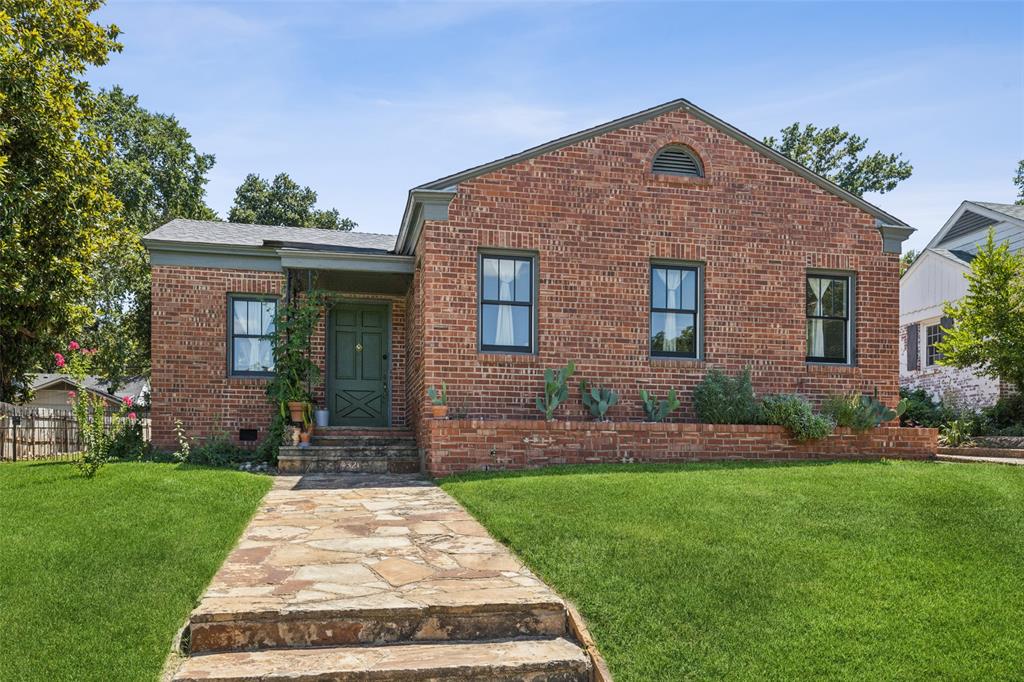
(976, 215)
(91, 384)
(218, 233)
(436, 192)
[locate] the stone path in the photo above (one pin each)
(370, 561)
(968, 459)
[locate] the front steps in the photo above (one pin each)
(551, 660)
(343, 450)
(365, 577)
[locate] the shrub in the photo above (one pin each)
(218, 451)
(721, 399)
(656, 411)
(1008, 412)
(556, 389)
(128, 442)
(795, 414)
(860, 412)
(598, 399)
(922, 410)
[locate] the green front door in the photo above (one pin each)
(358, 371)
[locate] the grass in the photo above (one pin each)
(887, 570)
(96, 576)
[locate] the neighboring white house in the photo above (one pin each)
(937, 276)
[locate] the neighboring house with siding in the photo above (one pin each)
(938, 276)
(646, 250)
(51, 391)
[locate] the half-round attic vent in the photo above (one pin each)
(676, 160)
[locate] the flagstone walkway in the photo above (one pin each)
(365, 560)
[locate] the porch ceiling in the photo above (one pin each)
(366, 271)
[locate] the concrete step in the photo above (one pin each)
(367, 449)
(375, 460)
(536, 660)
(466, 615)
(369, 432)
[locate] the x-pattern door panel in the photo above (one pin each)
(359, 355)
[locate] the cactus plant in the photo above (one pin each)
(656, 411)
(556, 389)
(598, 399)
(438, 399)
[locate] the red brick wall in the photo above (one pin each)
(189, 358)
(596, 216)
(458, 445)
(190, 380)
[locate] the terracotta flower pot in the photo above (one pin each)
(296, 408)
(304, 437)
(440, 411)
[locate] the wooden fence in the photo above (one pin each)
(42, 433)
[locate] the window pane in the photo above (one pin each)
(239, 310)
(826, 339)
(658, 288)
(490, 278)
(505, 325)
(688, 290)
(506, 279)
(834, 298)
(266, 355)
(673, 333)
(524, 282)
(246, 355)
(269, 309)
(672, 290)
(813, 296)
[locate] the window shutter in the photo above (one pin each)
(913, 347)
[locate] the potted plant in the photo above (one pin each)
(304, 437)
(439, 402)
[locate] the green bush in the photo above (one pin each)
(218, 451)
(721, 399)
(795, 414)
(957, 433)
(127, 442)
(921, 410)
(859, 412)
(1007, 413)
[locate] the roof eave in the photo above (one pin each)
(423, 204)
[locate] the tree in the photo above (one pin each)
(157, 175)
(988, 335)
(837, 155)
(907, 259)
(282, 202)
(1018, 181)
(56, 208)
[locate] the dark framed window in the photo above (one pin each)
(675, 311)
(507, 303)
(932, 335)
(828, 318)
(250, 324)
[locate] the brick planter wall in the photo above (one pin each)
(456, 445)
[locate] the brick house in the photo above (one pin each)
(646, 250)
(938, 276)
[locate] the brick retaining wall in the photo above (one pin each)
(456, 445)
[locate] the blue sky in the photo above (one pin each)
(363, 101)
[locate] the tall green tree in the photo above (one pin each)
(839, 156)
(988, 334)
(158, 175)
(56, 208)
(1018, 182)
(282, 202)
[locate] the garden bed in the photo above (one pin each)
(457, 445)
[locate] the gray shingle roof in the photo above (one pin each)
(1012, 210)
(243, 234)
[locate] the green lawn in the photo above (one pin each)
(889, 570)
(96, 576)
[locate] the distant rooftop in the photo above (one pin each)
(242, 234)
(1012, 210)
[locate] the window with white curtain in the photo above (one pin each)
(506, 303)
(675, 310)
(251, 324)
(828, 318)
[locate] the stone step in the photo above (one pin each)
(292, 460)
(320, 438)
(465, 614)
(537, 660)
(369, 432)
